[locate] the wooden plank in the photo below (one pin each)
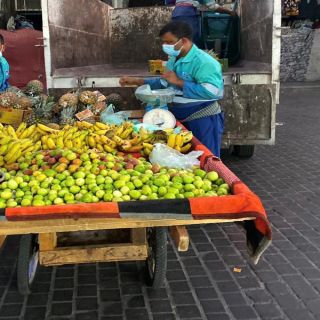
(180, 236)
(71, 255)
(64, 225)
(2, 240)
(47, 241)
(138, 236)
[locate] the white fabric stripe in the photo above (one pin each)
(211, 88)
(177, 99)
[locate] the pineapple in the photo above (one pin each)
(69, 100)
(67, 116)
(24, 103)
(34, 88)
(115, 99)
(17, 91)
(8, 99)
(42, 111)
(88, 98)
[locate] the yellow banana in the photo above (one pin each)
(14, 149)
(187, 136)
(60, 144)
(11, 132)
(99, 147)
(14, 157)
(68, 144)
(101, 132)
(179, 141)
(108, 148)
(148, 145)
(27, 132)
(20, 129)
(3, 149)
(119, 131)
(51, 144)
(186, 148)
(118, 140)
(26, 144)
(37, 146)
(86, 124)
(5, 140)
(110, 143)
(172, 140)
(44, 139)
(1, 126)
(91, 142)
(45, 128)
(126, 133)
(102, 126)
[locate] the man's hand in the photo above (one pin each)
(130, 81)
(172, 78)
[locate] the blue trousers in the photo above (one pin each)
(209, 131)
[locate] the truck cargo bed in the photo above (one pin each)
(140, 69)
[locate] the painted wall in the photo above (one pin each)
(78, 37)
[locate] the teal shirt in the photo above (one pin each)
(201, 73)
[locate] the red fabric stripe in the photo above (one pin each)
(105, 209)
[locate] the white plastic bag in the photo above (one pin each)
(168, 157)
(110, 117)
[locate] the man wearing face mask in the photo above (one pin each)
(197, 79)
(4, 67)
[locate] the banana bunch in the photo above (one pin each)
(15, 144)
(180, 141)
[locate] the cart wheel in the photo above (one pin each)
(245, 151)
(28, 258)
(156, 263)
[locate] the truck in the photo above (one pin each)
(92, 44)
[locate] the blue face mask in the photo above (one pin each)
(170, 50)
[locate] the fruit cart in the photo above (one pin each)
(129, 230)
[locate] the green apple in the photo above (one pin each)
(212, 176)
(100, 194)
(58, 201)
(25, 202)
(135, 194)
(12, 184)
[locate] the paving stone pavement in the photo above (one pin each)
(201, 283)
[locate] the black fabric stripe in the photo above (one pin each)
(176, 206)
(2, 212)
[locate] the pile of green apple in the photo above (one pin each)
(64, 177)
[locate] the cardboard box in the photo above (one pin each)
(13, 116)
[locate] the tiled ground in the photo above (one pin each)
(201, 283)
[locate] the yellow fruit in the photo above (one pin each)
(119, 131)
(60, 144)
(126, 133)
(3, 149)
(172, 140)
(91, 142)
(179, 141)
(117, 140)
(110, 143)
(108, 148)
(101, 126)
(186, 148)
(99, 147)
(68, 144)
(27, 132)
(13, 150)
(26, 144)
(148, 145)
(14, 157)
(5, 140)
(101, 132)
(187, 136)
(11, 132)
(20, 129)
(51, 144)
(46, 129)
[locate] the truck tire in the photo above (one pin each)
(244, 151)
(156, 263)
(27, 263)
